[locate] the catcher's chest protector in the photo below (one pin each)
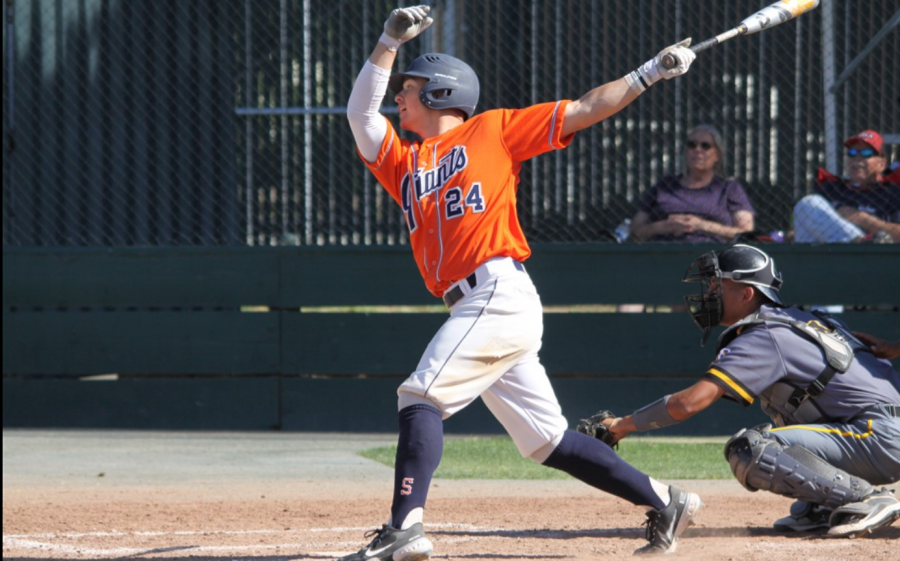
(786, 403)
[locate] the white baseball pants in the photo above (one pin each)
(489, 348)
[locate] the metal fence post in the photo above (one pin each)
(307, 128)
(285, 131)
(10, 140)
(248, 121)
(828, 62)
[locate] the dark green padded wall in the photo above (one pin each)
(173, 326)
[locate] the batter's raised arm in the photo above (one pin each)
(368, 126)
(608, 99)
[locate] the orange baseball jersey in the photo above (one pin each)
(460, 206)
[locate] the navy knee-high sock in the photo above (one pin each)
(419, 449)
(589, 460)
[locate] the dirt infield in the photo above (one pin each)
(104, 495)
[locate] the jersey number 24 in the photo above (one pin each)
(453, 204)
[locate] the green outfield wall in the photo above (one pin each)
(318, 339)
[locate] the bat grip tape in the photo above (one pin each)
(703, 45)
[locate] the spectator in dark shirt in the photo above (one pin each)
(700, 205)
(863, 206)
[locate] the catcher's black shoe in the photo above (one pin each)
(855, 520)
(804, 517)
(391, 544)
(665, 525)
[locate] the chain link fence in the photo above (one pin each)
(222, 122)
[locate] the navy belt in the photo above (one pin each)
(455, 294)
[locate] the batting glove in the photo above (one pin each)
(653, 70)
(404, 24)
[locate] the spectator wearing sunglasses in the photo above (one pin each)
(863, 206)
(700, 205)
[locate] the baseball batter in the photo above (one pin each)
(457, 190)
(834, 404)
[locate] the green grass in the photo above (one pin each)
(498, 458)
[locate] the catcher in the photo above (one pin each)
(835, 405)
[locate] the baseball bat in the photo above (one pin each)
(770, 16)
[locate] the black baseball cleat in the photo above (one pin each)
(857, 519)
(804, 517)
(391, 544)
(665, 525)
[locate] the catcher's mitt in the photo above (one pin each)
(594, 426)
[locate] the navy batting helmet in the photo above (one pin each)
(455, 80)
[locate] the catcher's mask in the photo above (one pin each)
(740, 263)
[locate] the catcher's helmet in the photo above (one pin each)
(449, 75)
(740, 263)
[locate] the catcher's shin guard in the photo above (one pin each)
(759, 462)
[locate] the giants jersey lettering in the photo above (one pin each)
(458, 190)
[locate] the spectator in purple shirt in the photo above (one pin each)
(700, 205)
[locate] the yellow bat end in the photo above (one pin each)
(776, 14)
(797, 7)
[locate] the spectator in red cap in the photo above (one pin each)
(862, 206)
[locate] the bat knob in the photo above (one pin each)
(669, 62)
